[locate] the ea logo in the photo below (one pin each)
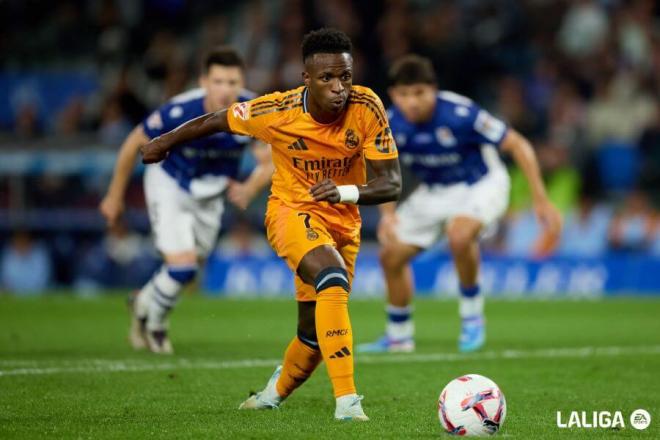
(640, 419)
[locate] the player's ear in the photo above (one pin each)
(306, 78)
(202, 81)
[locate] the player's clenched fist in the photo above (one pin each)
(325, 191)
(111, 208)
(154, 150)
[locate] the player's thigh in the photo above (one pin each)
(206, 227)
(169, 213)
(420, 218)
(293, 234)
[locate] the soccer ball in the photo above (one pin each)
(471, 405)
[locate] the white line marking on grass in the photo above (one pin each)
(48, 367)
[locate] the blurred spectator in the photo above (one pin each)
(115, 126)
(27, 123)
(620, 111)
(25, 266)
(521, 233)
(636, 33)
(633, 227)
(583, 29)
(242, 241)
(561, 178)
(123, 259)
(649, 146)
(71, 118)
(585, 229)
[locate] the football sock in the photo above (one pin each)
(159, 295)
(471, 303)
(300, 361)
(333, 328)
(399, 323)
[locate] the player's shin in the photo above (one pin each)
(333, 328)
(471, 309)
(301, 358)
(400, 325)
(165, 287)
(471, 303)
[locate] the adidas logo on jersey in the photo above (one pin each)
(298, 145)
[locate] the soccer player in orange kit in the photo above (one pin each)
(323, 136)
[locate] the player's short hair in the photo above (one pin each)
(412, 69)
(222, 56)
(325, 40)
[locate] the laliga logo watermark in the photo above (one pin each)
(639, 419)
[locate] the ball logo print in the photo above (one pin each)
(471, 405)
(640, 419)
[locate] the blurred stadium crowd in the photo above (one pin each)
(580, 78)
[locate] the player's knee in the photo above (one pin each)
(182, 274)
(390, 259)
(460, 238)
(331, 277)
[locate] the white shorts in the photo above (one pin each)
(423, 216)
(180, 222)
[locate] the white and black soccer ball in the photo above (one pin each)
(472, 405)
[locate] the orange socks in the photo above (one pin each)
(335, 337)
(300, 361)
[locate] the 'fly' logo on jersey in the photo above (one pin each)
(299, 145)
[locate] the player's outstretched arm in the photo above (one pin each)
(112, 204)
(384, 187)
(202, 126)
(523, 154)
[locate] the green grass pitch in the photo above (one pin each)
(67, 371)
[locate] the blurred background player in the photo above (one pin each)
(323, 134)
(185, 193)
(451, 146)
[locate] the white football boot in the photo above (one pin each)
(158, 342)
(349, 408)
(268, 397)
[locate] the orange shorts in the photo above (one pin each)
(293, 232)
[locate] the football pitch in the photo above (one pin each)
(66, 370)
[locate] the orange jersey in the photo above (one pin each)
(306, 152)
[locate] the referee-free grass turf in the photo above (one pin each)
(66, 370)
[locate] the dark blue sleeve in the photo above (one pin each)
(157, 122)
(483, 128)
(398, 126)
